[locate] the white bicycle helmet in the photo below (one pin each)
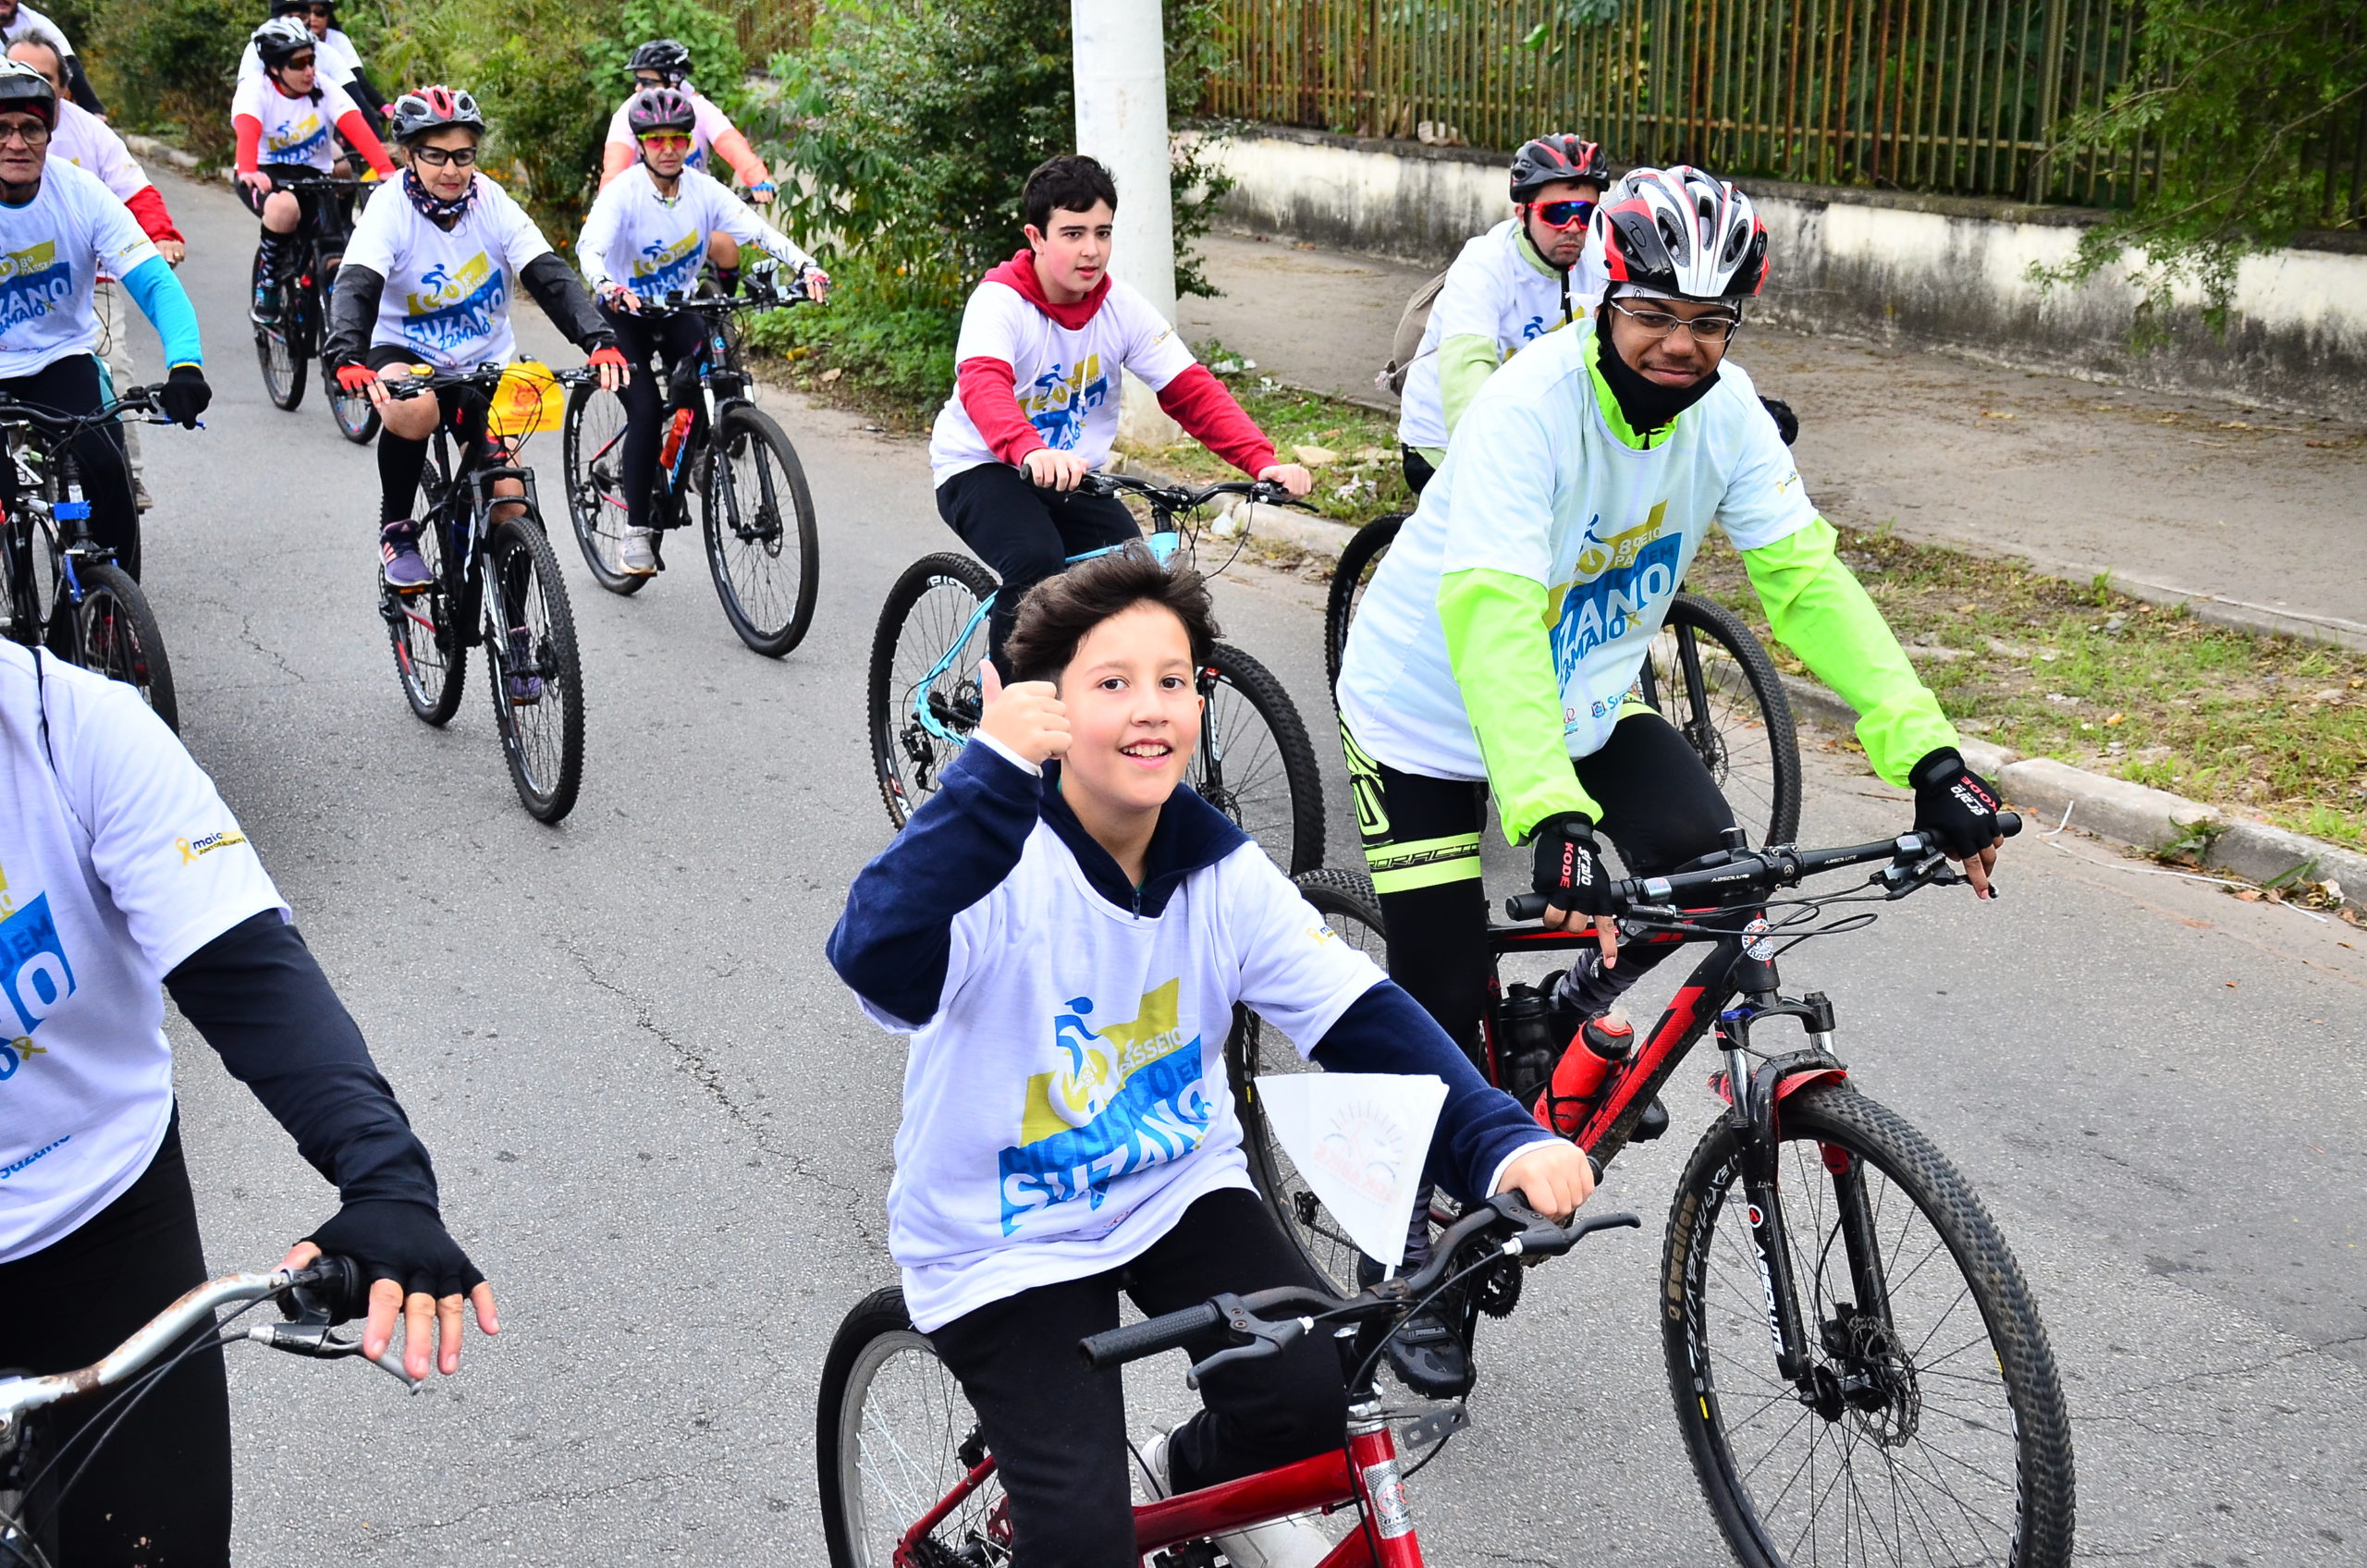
(1681, 233)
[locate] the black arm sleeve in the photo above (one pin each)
(261, 1002)
(78, 88)
(369, 99)
(561, 295)
(353, 311)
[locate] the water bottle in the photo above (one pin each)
(675, 432)
(1601, 1047)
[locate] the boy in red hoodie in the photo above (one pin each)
(1047, 340)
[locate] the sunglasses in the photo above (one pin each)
(297, 63)
(1562, 215)
(436, 157)
(665, 142)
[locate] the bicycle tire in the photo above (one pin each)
(542, 740)
(430, 648)
(356, 415)
(750, 556)
(1357, 560)
(1736, 718)
(1269, 785)
(875, 1336)
(116, 636)
(1348, 905)
(596, 505)
(283, 360)
(1826, 1131)
(926, 610)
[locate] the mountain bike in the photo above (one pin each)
(524, 622)
(761, 545)
(84, 609)
(36, 1473)
(1254, 763)
(1912, 1411)
(1705, 673)
(286, 348)
(907, 1478)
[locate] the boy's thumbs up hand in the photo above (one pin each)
(1027, 716)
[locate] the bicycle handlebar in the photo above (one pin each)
(1742, 873)
(57, 422)
(1181, 497)
(483, 375)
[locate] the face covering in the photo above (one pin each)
(1644, 403)
(436, 211)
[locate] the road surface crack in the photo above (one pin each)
(247, 632)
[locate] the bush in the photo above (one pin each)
(167, 67)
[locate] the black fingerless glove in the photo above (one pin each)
(185, 396)
(399, 1240)
(1569, 865)
(1788, 423)
(1955, 805)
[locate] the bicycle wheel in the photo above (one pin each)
(1934, 1431)
(1710, 678)
(430, 657)
(924, 660)
(532, 670)
(1252, 1051)
(116, 635)
(761, 545)
(595, 441)
(895, 1437)
(278, 347)
(1254, 763)
(1348, 580)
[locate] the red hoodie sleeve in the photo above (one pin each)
(989, 395)
(1198, 402)
(250, 131)
(356, 129)
(147, 205)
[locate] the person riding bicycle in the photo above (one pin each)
(22, 21)
(1047, 340)
(1062, 932)
(426, 286)
(127, 879)
(60, 228)
(645, 236)
(283, 116)
(1508, 286)
(341, 63)
(1500, 641)
(663, 61)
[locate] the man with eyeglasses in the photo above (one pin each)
(1500, 641)
(338, 62)
(663, 61)
(283, 119)
(22, 21)
(1510, 286)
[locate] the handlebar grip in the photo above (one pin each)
(1150, 1337)
(2009, 823)
(336, 1290)
(1526, 906)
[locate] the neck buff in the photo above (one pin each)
(443, 214)
(1646, 403)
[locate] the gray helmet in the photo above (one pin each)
(281, 37)
(26, 91)
(431, 109)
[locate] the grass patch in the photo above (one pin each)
(1357, 474)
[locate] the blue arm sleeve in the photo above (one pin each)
(1479, 1127)
(894, 943)
(166, 304)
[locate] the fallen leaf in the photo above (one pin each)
(2249, 895)
(1961, 609)
(833, 372)
(2231, 985)
(2115, 719)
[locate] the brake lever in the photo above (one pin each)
(1265, 1338)
(320, 1341)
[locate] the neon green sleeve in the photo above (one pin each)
(1821, 611)
(1465, 365)
(1496, 641)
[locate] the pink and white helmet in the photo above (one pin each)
(1679, 232)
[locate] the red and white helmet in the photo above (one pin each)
(1679, 232)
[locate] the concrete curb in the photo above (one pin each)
(148, 149)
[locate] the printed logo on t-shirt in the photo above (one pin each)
(35, 975)
(1125, 1098)
(1628, 572)
(458, 306)
(299, 137)
(1057, 401)
(33, 282)
(1532, 329)
(665, 265)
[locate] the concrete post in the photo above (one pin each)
(1121, 63)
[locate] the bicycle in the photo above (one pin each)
(1254, 763)
(286, 347)
(314, 1300)
(90, 612)
(1838, 1195)
(527, 627)
(1705, 672)
(907, 1479)
(762, 548)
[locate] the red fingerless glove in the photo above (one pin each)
(355, 378)
(602, 358)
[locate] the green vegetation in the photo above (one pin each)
(1357, 472)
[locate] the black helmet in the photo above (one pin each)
(1539, 162)
(663, 56)
(282, 38)
(297, 8)
(658, 109)
(431, 109)
(26, 91)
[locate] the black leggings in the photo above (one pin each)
(159, 1491)
(1024, 533)
(70, 386)
(1421, 836)
(401, 463)
(638, 339)
(1059, 1432)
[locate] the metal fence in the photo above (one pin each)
(1941, 95)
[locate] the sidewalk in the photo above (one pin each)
(2259, 518)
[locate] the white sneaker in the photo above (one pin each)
(1278, 1543)
(636, 559)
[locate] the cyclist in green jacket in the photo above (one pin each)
(1500, 641)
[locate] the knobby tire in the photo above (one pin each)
(1269, 783)
(116, 636)
(593, 442)
(771, 538)
(542, 741)
(1355, 570)
(926, 609)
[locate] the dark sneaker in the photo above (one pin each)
(1426, 1352)
(525, 687)
(398, 550)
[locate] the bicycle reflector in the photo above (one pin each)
(527, 401)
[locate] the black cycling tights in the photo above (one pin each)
(159, 1491)
(401, 463)
(639, 339)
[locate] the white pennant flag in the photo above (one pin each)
(1360, 1139)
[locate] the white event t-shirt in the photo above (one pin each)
(707, 123)
(295, 130)
(1536, 485)
(117, 861)
(1067, 380)
(1068, 1102)
(1493, 291)
(654, 244)
(52, 248)
(447, 295)
(87, 142)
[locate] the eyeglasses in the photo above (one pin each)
(436, 157)
(1562, 215)
(31, 133)
(667, 142)
(1714, 328)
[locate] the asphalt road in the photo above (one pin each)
(664, 1129)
